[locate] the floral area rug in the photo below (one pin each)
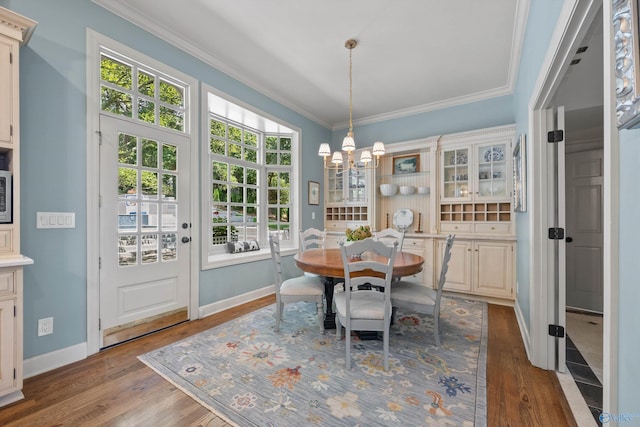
(250, 375)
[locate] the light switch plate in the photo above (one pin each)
(55, 220)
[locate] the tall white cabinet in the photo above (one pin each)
(15, 31)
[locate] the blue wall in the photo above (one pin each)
(476, 115)
(543, 15)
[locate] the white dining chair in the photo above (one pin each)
(295, 289)
(422, 299)
(365, 309)
(390, 235)
(312, 238)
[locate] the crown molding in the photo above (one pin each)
(16, 26)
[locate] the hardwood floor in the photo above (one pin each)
(114, 388)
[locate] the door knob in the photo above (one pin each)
(186, 239)
(185, 225)
(569, 239)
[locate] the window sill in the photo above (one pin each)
(227, 259)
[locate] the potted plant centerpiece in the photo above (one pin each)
(358, 233)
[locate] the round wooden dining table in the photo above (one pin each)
(328, 264)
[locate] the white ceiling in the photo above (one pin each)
(412, 56)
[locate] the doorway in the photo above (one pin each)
(578, 50)
(144, 229)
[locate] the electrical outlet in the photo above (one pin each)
(45, 326)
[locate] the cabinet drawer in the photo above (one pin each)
(413, 244)
(493, 228)
(7, 282)
(449, 227)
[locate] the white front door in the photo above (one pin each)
(584, 230)
(144, 228)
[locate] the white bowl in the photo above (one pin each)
(424, 190)
(407, 189)
(388, 189)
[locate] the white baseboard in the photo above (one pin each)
(216, 307)
(524, 331)
(55, 359)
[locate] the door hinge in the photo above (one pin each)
(99, 263)
(10, 57)
(15, 311)
(99, 133)
(15, 375)
(100, 201)
(556, 331)
(99, 324)
(556, 233)
(10, 130)
(555, 136)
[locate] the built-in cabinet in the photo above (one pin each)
(348, 198)
(455, 184)
(14, 32)
(480, 267)
(475, 185)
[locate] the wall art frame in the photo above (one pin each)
(520, 174)
(626, 28)
(314, 193)
(406, 164)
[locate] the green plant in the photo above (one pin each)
(359, 233)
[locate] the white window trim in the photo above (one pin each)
(226, 259)
(93, 42)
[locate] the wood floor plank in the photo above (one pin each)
(114, 388)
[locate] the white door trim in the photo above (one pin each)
(93, 42)
(573, 22)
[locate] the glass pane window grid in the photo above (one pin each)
(131, 90)
(236, 168)
(147, 201)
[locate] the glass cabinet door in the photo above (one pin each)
(357, 186)
(455, 169)
(334, 186)
(492, 171)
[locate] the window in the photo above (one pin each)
(132, 90)
(249, 179)
(244, 161)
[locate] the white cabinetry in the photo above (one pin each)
(475, 184)
(479, 267)
(348, 200)
(14, 31)
(417, 247)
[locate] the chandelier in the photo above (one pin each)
(349, 144)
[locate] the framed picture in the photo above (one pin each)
(625, 28)
(314, 193)
(406, 164)
(520, 175)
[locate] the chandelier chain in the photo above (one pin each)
(350, 91)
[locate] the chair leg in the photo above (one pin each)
(436, 331)
(385, 351)
(279, 308)
(348, 346)
(320, 307)
(338, 329)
